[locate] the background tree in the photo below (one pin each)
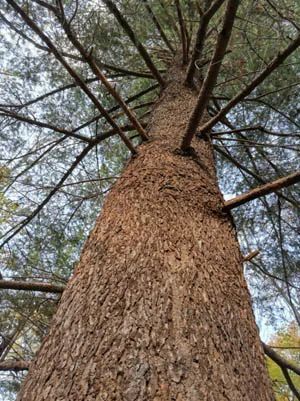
(286, 342)
(63, 154)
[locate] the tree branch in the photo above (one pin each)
(114, 108)
(251, 173)
(19, 117)
(279, 59)
(96, 70)
(28, 219)
(251, 256)
(183, 33)
(30, 286)
(263, 190)
(212, 74)
(141, 49)
(290, 383)
(283, 363)
(158, 26)
(200, 39)
(16, 366)
(72, 72)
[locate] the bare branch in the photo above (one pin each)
(212, 74)
(279, 59)
(30, 286)
(141, 49)
(251, 256)
(263, 190)
(48, 94)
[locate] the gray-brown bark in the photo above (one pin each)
(158, 308)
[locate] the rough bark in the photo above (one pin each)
(158, 308)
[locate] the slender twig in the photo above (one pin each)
(48, 94)
(251, 256)
(117, 107)
(254, 128)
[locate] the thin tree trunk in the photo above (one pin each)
(158, 308)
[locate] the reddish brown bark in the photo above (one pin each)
(158, 308)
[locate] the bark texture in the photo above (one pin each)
(158, 308)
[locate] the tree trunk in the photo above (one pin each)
(158, 308)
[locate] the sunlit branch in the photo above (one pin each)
(200, 39)
(72, 72)
(263, 190)
(279, 59)
(251, 173)
(158, 26)
(251, 256)
(212, 74)
(30, 286)
(141, 49)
